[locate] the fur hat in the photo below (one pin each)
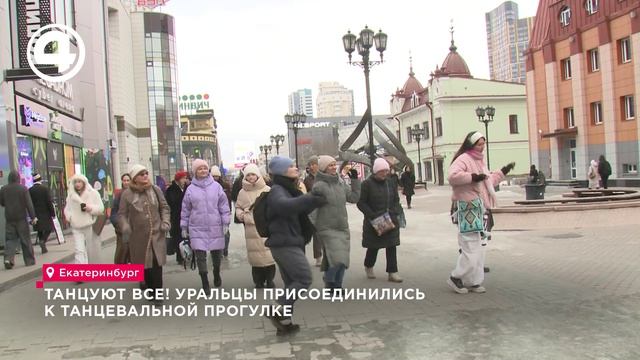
(136, 169)
(380, 164)
(279, 165)
(324, 161)
(215, 171)
(197, 163)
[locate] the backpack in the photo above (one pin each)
(259, 209)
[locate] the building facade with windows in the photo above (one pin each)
(445, 112)
(334, 100)
(143, 87)
(200, 137)
(507, 41)
(583, 80)
(301, 102)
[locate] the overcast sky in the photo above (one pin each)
(249, 55)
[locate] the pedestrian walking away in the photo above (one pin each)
(174, 195)
(408, 183)
(43, 206)
(289, 231)
(593, 175)
(121, 255)
(331, 220)
(473, 187)
(263, 267)
(604, 170)
(83, 206)
(17, 204)
(205, 220)
(217, 176)
(144, 218)
(309, 180)
(379, 202)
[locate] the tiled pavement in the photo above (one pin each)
(551, 294)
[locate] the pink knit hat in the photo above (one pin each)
(380, 164)
(197, 163)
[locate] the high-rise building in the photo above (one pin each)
(334, 100)
(301, 102)
(583, 82)
(145, 100)
(507, 40)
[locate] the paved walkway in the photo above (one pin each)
(551, 294)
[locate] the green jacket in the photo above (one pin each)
(331, 221)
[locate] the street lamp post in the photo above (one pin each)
(417, 134)
(266, 149)
(363, 44)
(486, 116)
(277, 140)
(293, 122)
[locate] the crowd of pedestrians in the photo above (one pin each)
(195, 211)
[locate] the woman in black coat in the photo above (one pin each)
(408, 183)
(43, 206)
(378, 195)
(174, 196)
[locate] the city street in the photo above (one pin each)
(551, 294)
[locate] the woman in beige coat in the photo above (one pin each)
(263, 266)
(144, 219)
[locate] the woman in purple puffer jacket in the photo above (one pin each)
(204, 220)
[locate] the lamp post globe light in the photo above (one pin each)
(486, 116)
(417, 135)
(277, 140)
(293, 122)
(363, 44)
(266, 150)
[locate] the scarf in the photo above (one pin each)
(478, 156)
(139, 189)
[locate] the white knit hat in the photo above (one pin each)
(135, 170)
(215, 171)
(475, 137)
(252, 169)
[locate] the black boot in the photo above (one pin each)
(270, 274)
(205, 282)
(43, 247)
(217, 280)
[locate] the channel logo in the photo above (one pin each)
(61, 37)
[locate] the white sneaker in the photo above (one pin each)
(456, 285)
(478, 289)
(369, 271)
(394, 277)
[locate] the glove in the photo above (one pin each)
(478, 177)
(185, 234)
(506, 169)
(225, 229)
(353, 174)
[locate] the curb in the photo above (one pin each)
(37, 270)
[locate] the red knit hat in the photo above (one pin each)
(180, 175)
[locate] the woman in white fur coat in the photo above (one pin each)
(83, 206)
